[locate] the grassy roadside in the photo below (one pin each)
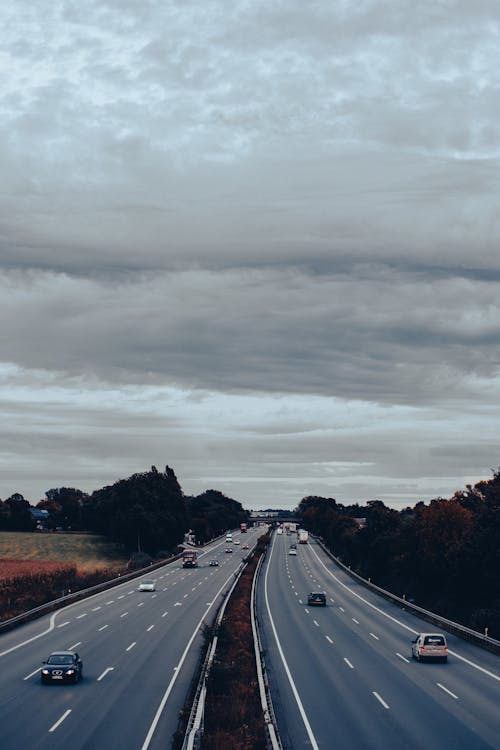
(87, 552)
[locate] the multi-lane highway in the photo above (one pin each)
(139, 651)
(342, 676)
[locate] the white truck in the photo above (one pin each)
(303, 536)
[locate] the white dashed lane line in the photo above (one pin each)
(403, 657)
(94, 609)
(101, 676)
(60, 721)
(348, 663)
(380, 700)
(375, 636)
(63, 624)
(129, 648)
(150, 628)
(79, 617)
(124, 614)
(103, 628)
(356, 621)
(75, 645)
(32, 673)
(447, 691)
(328, 639)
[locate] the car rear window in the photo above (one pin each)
(434, 640)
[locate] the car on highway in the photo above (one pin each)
(429, 647)
(293, 546)
(236, 541)
(245, 546)
(213, 563)
(292, 551)
(229, 549)
(147, 585)
(61, 666)
(316, 599)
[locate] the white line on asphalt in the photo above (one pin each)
(306, 610)
(60, 721)
(63, 624)
(300, 601)
(131, 646)
(177, 670)
(447, 691)
(328, 639)
(124, 614)
(141, 604)
(356, 621)
(32, 673)
(75, 645)
(381, 700)
(110, 602)
(342, 609)
(185, 596)
(79, 617)
(122, 596)
(316, 623)
(164, 614)
(332, 600)
(398, 622)
(403, 657)
(375, 636)
(103, 627)
(94, 609)
(153, 596)
(348, 663)
(309, 731)
(150, 628)
(109, 669)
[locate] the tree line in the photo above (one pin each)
(444, 556)
(147, 512)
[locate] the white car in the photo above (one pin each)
(147, 585)
(236, 541)
(429, 646)
(292, 552)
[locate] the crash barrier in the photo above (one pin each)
(273, 737)
(63, 601)
(480, 639)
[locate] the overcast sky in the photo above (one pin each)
(255, 240)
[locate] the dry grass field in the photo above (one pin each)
(86, 551)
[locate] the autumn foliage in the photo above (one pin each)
(445, 555)
(233, 713)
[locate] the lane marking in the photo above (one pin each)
(94, 609)
(316, 623)
(403, 657)
(103, 628)
(109, 669)
(60, 721)
(141, 604)
(110, 602)
(131, 646)
(124, 614)
(150, 628)
(375, 636)
(307, 725)
(306, 610)
(122, 596)
(328, 639)
(79, 617)
(348, 663)
(33, 673)
(356, 621)
(63, 624)
(447, 691)
(342, 609)
(398, 622)
(74, 646)
(177, 670)
(381, 700)
(164, 614)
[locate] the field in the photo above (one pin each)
(86, 551)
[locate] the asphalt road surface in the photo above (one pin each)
(139, 652)
(342, 676)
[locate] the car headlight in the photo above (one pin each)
(45, 671)
(70, 671)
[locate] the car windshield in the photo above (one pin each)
(434, 640)
(148, 583)
(60, 659)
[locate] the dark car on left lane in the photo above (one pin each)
(62, 666)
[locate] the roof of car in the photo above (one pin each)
(62, 653)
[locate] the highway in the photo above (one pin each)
(139, 652)
(342, 677)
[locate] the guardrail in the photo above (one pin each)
(64, 601)
(485, 641)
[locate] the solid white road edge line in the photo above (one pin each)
(309, 731)
(177, 669)
(398, 622)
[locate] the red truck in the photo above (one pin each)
(189, 558)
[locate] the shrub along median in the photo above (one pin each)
(233, 712)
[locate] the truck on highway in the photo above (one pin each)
(189, 558)
(243, 528)
(303, 536)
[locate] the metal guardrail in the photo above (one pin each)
(76, 596)
(273, 737)
(485, 641)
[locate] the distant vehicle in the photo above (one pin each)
(303, 536)
(280, 531)
(245, 546)
(229, 538)
(229, 549)
(213, 563)
(236, 541)
(292, 551)
(189, 558)
(316, 598)
(429, 646)
(293, 546)
(148, 585)
(243, 528)
(62, 666)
